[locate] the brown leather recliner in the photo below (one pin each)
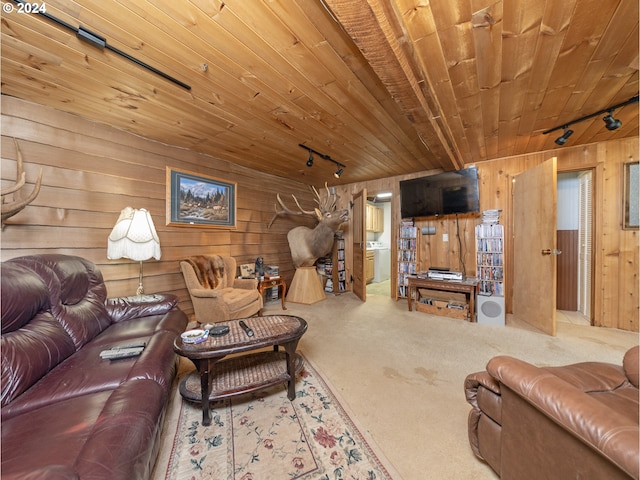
(574, 421)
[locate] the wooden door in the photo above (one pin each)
(534, 244)
(567, 265)
(358, 223)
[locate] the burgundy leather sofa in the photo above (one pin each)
(575, 421)
(67, 413)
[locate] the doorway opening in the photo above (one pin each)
(378, 242)
(575, 241)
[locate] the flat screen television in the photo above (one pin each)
(441, 194)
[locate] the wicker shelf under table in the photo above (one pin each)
(242, 374)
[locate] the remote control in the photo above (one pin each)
(132, 345)
(246, 329)
(124, 354)
(121, 353)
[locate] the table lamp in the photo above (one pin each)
(134, 236)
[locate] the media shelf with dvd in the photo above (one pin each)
(490, 272)
(407, 256)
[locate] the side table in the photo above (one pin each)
(263, 285)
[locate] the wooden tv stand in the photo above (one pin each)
(466, 286)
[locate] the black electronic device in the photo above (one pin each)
(219, 330)
(441, 194)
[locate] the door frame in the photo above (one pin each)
(594, 216)
(392, 238)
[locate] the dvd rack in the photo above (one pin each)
(407, 256)
(490, 258)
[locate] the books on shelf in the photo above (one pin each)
(407, 254)
(491, 216)
(490, 254)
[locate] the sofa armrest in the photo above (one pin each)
(479, 379)
(588, 419)
(126, 308)
(245, 283)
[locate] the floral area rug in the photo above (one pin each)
(264, 436)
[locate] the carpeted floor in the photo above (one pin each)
(264, 435)
(401, 373)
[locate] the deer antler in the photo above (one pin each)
(324, 205)
(328, 204)
(10, 204)
(287, 211)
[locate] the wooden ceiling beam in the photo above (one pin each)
(374, 28)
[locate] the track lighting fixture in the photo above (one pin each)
(611, 123)
(562, 139)
(340, 166)
(94, 39)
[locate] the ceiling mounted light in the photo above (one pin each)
(384, 195)
(610, 122)
(311, 151)
(562, 139)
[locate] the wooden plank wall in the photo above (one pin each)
(92, 171)
(615, 277)
(567, 287)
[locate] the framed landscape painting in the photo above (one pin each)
(195, 200)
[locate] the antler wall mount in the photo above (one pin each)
(12, 200)
(306, 244)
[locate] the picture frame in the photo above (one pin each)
(631, 196)
(197, 200)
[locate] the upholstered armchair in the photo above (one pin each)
(217, 295)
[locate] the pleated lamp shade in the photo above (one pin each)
(134, 236)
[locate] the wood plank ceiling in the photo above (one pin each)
(385, 87)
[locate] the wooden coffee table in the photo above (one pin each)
(214, 379)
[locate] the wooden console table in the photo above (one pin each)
(466, 286)
(214, 379)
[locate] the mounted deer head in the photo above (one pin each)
(306, 244)
(12, 201)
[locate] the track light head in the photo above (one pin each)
(610, 122)
(562, 139)
(311, 151)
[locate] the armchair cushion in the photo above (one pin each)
(238, 298)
